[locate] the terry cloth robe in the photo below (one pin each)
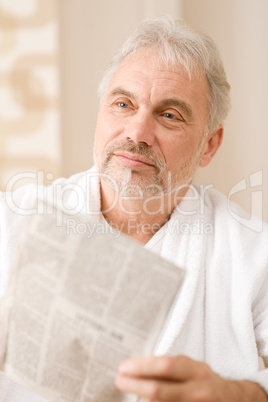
(221, 313)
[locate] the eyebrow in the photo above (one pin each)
(185, 107)
(121, 91)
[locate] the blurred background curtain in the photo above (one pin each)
(30, 135)
(53, 53)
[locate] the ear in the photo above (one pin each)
(212, 144)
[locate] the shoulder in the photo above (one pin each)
(238, 237)
(21, 201)
(229, 216)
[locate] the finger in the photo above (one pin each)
(180, 368)
(153, 390)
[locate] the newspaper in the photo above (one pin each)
(78, 305)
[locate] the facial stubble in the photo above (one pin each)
(157, 179)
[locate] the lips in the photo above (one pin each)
(130, 159)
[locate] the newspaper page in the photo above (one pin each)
(12, 392)
(80, 304)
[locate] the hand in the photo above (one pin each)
(167, 379)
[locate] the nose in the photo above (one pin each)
(141, 128)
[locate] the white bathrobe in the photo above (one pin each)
(221, 313)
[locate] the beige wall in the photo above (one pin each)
(241, 31)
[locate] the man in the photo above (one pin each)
(163, 101)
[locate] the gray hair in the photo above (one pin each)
(176, 43)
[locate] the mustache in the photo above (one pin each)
(140, 149)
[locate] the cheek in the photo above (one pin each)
(107, 130)
(177, 153)
(172, 151)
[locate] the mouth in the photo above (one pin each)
(132, 160)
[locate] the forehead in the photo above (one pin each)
(144, 71)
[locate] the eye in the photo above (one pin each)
(169, 116)
(172, 115)
(122, 104)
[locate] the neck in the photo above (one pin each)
(139, 218)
